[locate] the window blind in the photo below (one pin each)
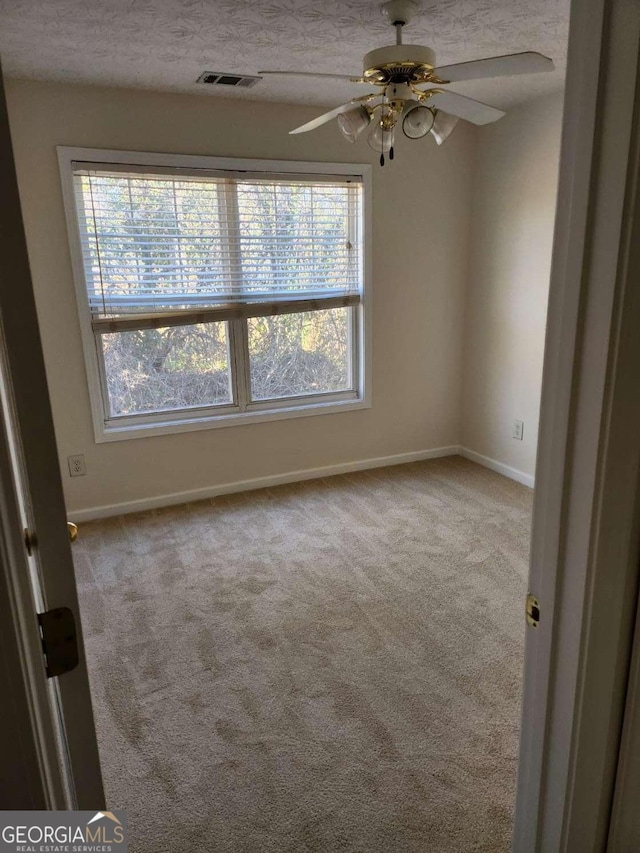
(165, 242)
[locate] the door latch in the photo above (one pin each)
(533, 611)
(59, 640)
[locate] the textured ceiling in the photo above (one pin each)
(166, 44)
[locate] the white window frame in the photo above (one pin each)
(162, 423)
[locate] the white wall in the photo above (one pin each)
(422, 205)
(514, 200)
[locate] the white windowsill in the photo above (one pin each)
(112, 431)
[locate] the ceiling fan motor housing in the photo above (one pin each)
(399, 63)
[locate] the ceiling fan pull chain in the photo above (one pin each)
(391, 153)
(382, 159)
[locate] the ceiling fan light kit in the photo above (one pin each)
(442, 126)
(418, 121)
(354, 122)
(381, 139)
(398, 71)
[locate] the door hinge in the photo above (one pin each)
(533, 611)
(59, 640)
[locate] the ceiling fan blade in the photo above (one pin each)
(354, 79)
(458, 105)
(323, 119)
(496, 66)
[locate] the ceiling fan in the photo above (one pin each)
(398, 71)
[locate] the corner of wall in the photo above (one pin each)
(513, 214)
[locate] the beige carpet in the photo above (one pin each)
(328, 666)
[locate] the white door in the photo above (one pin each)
(31, 497)
(584, 566)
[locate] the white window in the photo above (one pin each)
(215, 291)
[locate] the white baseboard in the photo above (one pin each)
(500, 467)
(258, 483)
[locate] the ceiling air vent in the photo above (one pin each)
(221, 78)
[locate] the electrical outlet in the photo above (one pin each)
(77, 467)
(518, 430)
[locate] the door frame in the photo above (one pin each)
(28, 396)
(624, 832)
(584, 545)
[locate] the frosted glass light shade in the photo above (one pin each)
(381, 140)
(442, 126)
(417, 122)
(353, 122)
